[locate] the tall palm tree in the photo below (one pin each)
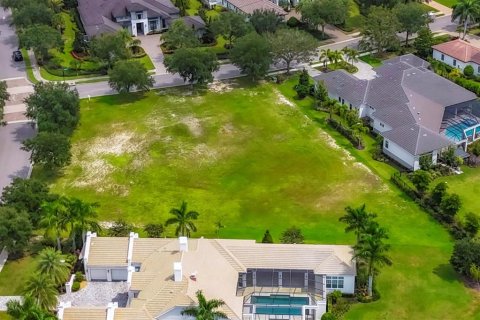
(27, 310)
(466, 11)
(351, 55)
(42, 290)
(324, 57)
(52, 264)
(55, 218)
(183, 219)
(336, 57)
(82, 218)
(373, 252)
(206, 309)
(357, 220)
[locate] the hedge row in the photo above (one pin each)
(346, 132)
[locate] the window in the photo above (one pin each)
(443, 57)
(153, 25)
(343, 101)
(339, 99)
(454, 62)
(334, 282)
(139, 14)
(382, 125)
(386, 144)
(350, 106)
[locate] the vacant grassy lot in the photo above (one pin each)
(256, 159)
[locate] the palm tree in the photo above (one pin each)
(357, 220)
(466, 11)
(206, 309)
(351, 55)
(324, 57)
(183, 220)
(82, 218)
(42, 290)
(55, 218)
(52, 264)
(373, 252)
(336, 57)
(27, 310)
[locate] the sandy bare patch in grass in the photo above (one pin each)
(227, 129)
(96, 169)
(193, 125)
(281, 99)
(221, 86)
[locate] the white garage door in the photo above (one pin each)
(98, 274)
(119, 274)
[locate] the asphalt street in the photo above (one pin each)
(8, 44)
(14, 162)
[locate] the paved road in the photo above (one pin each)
(8, 43)
(14, 162)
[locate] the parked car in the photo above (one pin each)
(17, 56)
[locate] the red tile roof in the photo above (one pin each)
(460, 50)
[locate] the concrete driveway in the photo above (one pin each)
(151, 45)
(8, 44)
(14, 162)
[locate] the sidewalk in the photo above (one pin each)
(3, 258)
(440, 7)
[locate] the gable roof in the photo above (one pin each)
(416, 139)
(405, 95)
(98, 15)
(460, 50)
(250, 6)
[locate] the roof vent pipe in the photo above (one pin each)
(177, 271)
(183, 241)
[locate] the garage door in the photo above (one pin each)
(119, 274)
(98, 274)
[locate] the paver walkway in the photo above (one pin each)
(19, 89)
(98, 294)
(3, 258)
(151, 45)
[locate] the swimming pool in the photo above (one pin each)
(455, 132)
(279, 304)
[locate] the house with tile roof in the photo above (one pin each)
(256, 280)
(140, 17)
(248, 7)
(458, 54)
(418, 113)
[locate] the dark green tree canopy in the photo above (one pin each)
(40, 38)
(26, 195)
(292, 235)
(195, 65)
(231, 25)
(379, 31)
(128, 74)
(179, 35)
(288, 45)
(465, 253)
(15, 231)
(267, 237)
(421, 180)
(109, 48)
(154, 230)
(54, 107)
(265, 21)
(252, 55)
(450, 205)
(411, 17)
(49, 149)
(321, 12)
(31, 13)
(120, 228)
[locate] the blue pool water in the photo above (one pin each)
(455, 132)
(278, 304)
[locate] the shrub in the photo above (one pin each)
(450, 205)
(328, 316)
(292, 235)
(465, 253)
(468, 71)
(75, 286)
(472, 223)
(79, 277)
(293, 22)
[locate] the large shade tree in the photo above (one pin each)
(411, 17)
(206, 309)
(379, 31)
(194, 65)
(40, 38)
(231, 26)
(179, 35)
(289, 45)
(15, 231)
(252, 54)
(322, 12)
(466, 11)
(183, 219)
(50, 149)
(128, 74)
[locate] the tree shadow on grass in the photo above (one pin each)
(445, 272)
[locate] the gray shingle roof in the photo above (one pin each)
(345, 85)
(405, 95)
(416, 139)
(98, 15)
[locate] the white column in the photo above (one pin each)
(280, 278)
(324, 282)
(244, 280)
(109, 275)
(254, 278)
(111, 310)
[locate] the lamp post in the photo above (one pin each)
(63, 73)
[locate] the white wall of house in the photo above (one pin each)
(400, 155)
(348, 284)
(437, 55)
(380, 126)
(135, 20)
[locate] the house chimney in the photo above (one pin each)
(183, 244)
(177, 271)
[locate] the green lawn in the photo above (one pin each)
(5, 316)
(448, 3)
(28, 67)
(371, 60)
(14, 275)
(256, 159)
